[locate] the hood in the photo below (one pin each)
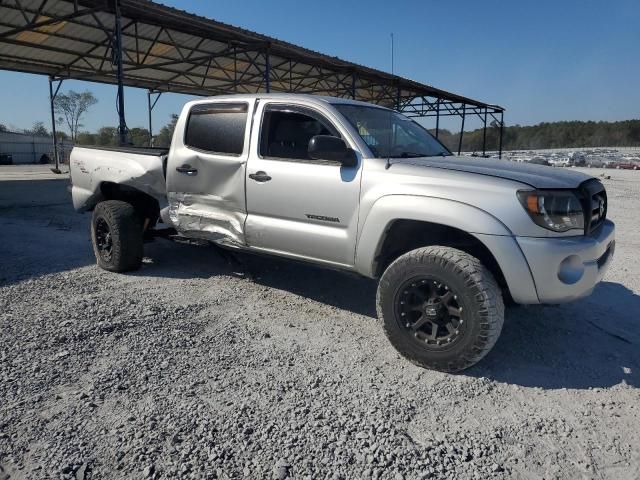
(538, 176)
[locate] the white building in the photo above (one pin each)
(27, 148)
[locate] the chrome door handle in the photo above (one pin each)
(260, 176)
(187, 170)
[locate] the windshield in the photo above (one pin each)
(390, 134)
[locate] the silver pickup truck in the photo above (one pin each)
(358, 187)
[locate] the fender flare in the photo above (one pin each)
(489, 231)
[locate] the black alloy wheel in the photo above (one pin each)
(430, 313)
(104, 241)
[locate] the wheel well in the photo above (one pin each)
(402, 236)
(145, 205)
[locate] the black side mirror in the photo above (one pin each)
(327, 147)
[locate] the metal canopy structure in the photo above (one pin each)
(143, 44)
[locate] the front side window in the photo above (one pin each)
(389, 134)
(217, 127)
(286, 131)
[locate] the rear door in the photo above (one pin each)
(297, 206)
(206, 170)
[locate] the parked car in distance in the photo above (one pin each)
(627, 166)
(540, 161)
(357, 187)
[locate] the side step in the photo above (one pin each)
(198, 242)
(171, 234)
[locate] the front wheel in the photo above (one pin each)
(116, 233)
(441, 308)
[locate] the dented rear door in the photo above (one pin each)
(206, 170)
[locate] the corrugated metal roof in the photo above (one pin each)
(167, 49)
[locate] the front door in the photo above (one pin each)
(206, 171)
(297, 206)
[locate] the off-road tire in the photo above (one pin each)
(477, 293)
(125, 228)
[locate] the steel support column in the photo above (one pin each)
(484, 133)
(117, 51)
(151, 106)
(501, 132)
(54, 133)
(267, 72)
(353, 86)
(438, 119)
(464, 114)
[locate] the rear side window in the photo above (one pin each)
(217, 127)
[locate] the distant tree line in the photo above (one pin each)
(138, 137)
(544, 135)
(624, 133)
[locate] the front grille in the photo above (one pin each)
(594, 203)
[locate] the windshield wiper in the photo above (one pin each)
(441, 154)
(409, 155)
(418, 155)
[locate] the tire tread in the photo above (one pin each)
(477, 277)
(126, 233)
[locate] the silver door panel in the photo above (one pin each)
(307, 209)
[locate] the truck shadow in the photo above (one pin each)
(339, 289)
(591, 343)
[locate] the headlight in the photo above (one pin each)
(557, 210)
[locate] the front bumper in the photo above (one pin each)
(568, 268)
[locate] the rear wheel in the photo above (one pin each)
(116, 234)
(441, 308)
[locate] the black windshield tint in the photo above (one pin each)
(390, 134)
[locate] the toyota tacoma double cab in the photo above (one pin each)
(357, 187)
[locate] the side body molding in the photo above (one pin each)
(473, 220)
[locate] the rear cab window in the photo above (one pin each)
(217, 127)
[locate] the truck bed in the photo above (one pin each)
(92, 167)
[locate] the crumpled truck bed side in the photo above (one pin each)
(91, 167)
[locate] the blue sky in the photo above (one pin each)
(542, 60)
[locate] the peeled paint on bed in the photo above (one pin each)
(91, 167)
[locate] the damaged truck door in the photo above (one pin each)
(206, 171)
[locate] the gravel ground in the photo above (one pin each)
(191, 368)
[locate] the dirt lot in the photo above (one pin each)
(190, 368)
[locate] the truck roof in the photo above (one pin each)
(318, 99)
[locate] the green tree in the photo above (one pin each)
(107, 136)
(548, 135)
(163, 139)
(139, 137)
(62, 136)
(86, 138)
(72, 106)
(38, 129)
